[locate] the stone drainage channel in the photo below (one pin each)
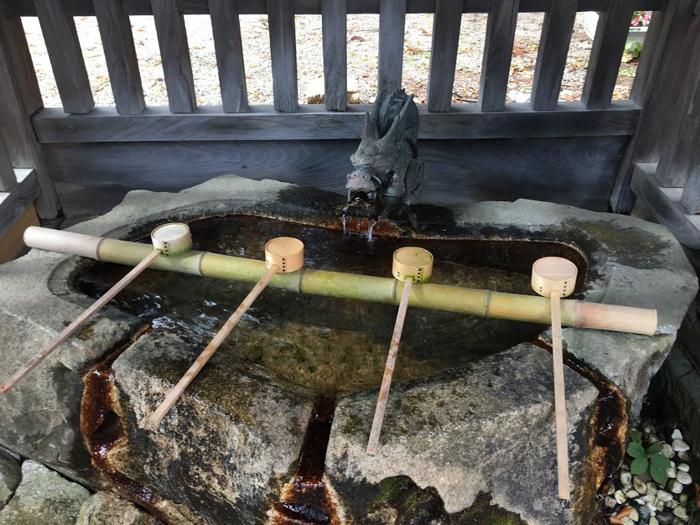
(307, 499)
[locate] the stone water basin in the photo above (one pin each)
(274, 429)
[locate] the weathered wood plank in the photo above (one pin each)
(120, 54)
(392, 21)
(310, 7)
(19, 100)
(175, 55)
(498, 49)
(314, 123)
(66, 57)
(657, 34)
(283, 52)
(551, 57)
(7, 172)
(335, 54)
(226, 29)
(443, 55)
(667, 63)
(606, 54)
(96, 176)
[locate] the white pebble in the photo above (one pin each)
(684, 456)
(676, 434)
(625, 479)
(683, 499)
(684, 477)
(667, 450)
(664, 496)
(639, 485)
(651, 489)
(684, 467)
(680, 512)
(632, 494)
(671, 472)
(679, 445)
(620, 496)
(653, 521)
(634, 515)
(610, 502)
(676, 488)
(648, 498)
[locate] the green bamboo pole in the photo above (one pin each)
(485, 303)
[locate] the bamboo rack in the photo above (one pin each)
(485, 303)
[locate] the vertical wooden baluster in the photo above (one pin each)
(226, 29)
(19, 100)
(175, 55)
(498, 49)
(606, 54)
(551, 56)
(66, 56)
(335, 54)
(283, 52)
(120, 54)
(443, 54)
(7, 172)
(392, 22)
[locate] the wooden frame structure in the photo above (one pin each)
(488, 149)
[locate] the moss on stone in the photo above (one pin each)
(483, 512)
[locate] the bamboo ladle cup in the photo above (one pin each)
(410, 265)
(167, 239)
(282, 255)
(555, 277)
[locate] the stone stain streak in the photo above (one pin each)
(102, 430)
(308, 499)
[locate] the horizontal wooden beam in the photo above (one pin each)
(313, 122)
(304, 7)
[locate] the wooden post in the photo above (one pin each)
(392, 22)
(498, 50)
(226, 29)
(283, 52)
(606, 54)
(66, 56)
(19, 100)
(551, 56)
(443, 54)
(335, 54)
(175, 55)
(7, 172)
(120, 54)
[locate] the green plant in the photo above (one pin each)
(649, 459)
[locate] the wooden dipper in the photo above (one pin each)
(410, 265)
(167, 239)
(282, 255)
(555, 277)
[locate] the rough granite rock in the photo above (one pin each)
(226, 466)
(43, 498)
(105, 508)
(485, 428)
(232, 437)
(10, 476)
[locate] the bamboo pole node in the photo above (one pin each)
(555, 277)
(167, 239)
(410, 264)
(282, 255)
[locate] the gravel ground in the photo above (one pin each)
(362, 58)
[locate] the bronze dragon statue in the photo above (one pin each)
(387, 174)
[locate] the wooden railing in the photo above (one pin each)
(78, 121)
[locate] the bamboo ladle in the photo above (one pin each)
(282, 255)
(555, 277)
(167, 239)
(410, 265)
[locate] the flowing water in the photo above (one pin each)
(330, 346)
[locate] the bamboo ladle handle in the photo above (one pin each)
(167, 239)
(282, 255)
(410, 264)
(560, 399)
(555, 277)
